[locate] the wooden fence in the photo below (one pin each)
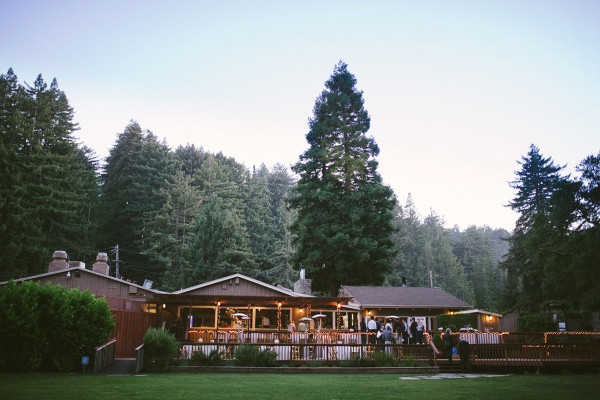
(535, 355)
(554, 349)
(104, 355)
(130, 330)
(326, 353)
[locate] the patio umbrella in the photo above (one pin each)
(307, 320)
(239, 316)
(319, 316)
(392, 317)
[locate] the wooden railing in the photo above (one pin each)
(104, 355)
(535, 355)
(307, 351)
(274, 336)
(530, 338)
(139, 358)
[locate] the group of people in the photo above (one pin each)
(462, 347)
(407, 332)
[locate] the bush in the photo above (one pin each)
(357, 361)
(535, 323)
(454, 321)
(384, 359)
(438, 341)
(251, 356)
(49, 327)
(408, 360)
(160, 347)
(215, 357)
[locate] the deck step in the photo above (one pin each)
(120, 367)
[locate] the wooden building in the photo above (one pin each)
(486, 321)
(128, 301)
(238, 301)
(420, 303)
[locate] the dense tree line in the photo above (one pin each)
(555, 249)
(183, 216)
(49, 189)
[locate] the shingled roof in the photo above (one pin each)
(402, 297)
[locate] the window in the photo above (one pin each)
(203, 317)
(266, 318)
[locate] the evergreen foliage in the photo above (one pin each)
(555, 249)
(135, 183)
(160, 347)
(48, 184)
(247, 355)
(344, 220)
(49, 328)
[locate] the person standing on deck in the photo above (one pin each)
(448, 344)
(372, 326)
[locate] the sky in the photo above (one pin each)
(457, 91)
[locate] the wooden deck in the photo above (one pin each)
(487, 350)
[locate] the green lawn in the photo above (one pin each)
(293, 387)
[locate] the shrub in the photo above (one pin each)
(408, 360)
(438, 342)
(357, 361)
(215, 357)
(384, 359)
(314, 364)
(535, 323)
(251, 356)
(453, 321)
(49, 327)
(160, 347)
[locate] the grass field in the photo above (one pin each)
(300, 387)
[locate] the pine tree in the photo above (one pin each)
(537, 182)
(259, 220)
(137, 168)
(219, 246)
(49, 185)
(345, 216)
(170, 231)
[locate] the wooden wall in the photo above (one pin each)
(98, 284)
(235, 287)
(130, 330)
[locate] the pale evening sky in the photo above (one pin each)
(456, 90)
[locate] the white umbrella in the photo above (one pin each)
(239, 316)
(392, 317)
(319, 316)
(307, 320)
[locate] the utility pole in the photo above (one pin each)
(430, 278)
(117, 262)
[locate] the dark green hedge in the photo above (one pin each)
(457, 321)
(535, 323)
(49, 327)
(160, 347)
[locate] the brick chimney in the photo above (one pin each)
(59, 261)
(100, 265)
(303, 286)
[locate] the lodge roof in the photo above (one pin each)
(478, 311)
(278, 289)
(402, 297)
(86, 271)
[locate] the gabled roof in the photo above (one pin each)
(403, 297)
(87, 271)
(280, 290)
(479, 312)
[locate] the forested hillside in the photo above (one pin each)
(183, 216)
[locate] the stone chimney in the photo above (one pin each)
(59, 261)
(303, 286)
(100, 265)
